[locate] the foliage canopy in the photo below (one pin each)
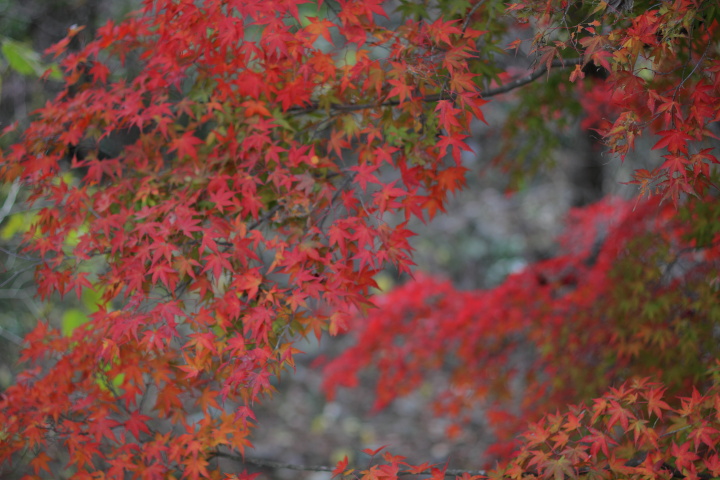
(272, 153)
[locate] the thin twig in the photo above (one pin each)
(19, 272)
(21, 257)
(10, 336)
(335, 196)
(470, 14)
(266, 216)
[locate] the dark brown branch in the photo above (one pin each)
(636, 461)
(266, 216)
(261, 462)
(470, 14)
(335, 196)
(519, 82)
(491, 92)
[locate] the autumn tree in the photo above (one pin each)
(269, 157)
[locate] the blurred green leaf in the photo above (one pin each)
(55, 73)
(21, 57)
(72, 319)
(91, 298)
(24, 60)
(16, 223)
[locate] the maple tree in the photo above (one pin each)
(275, 152)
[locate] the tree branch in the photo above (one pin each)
(521, 81)
(491, 92)
(636, 461)
(261, 462)
(470, 14)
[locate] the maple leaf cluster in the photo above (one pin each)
(275, 162)
(658, 67)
